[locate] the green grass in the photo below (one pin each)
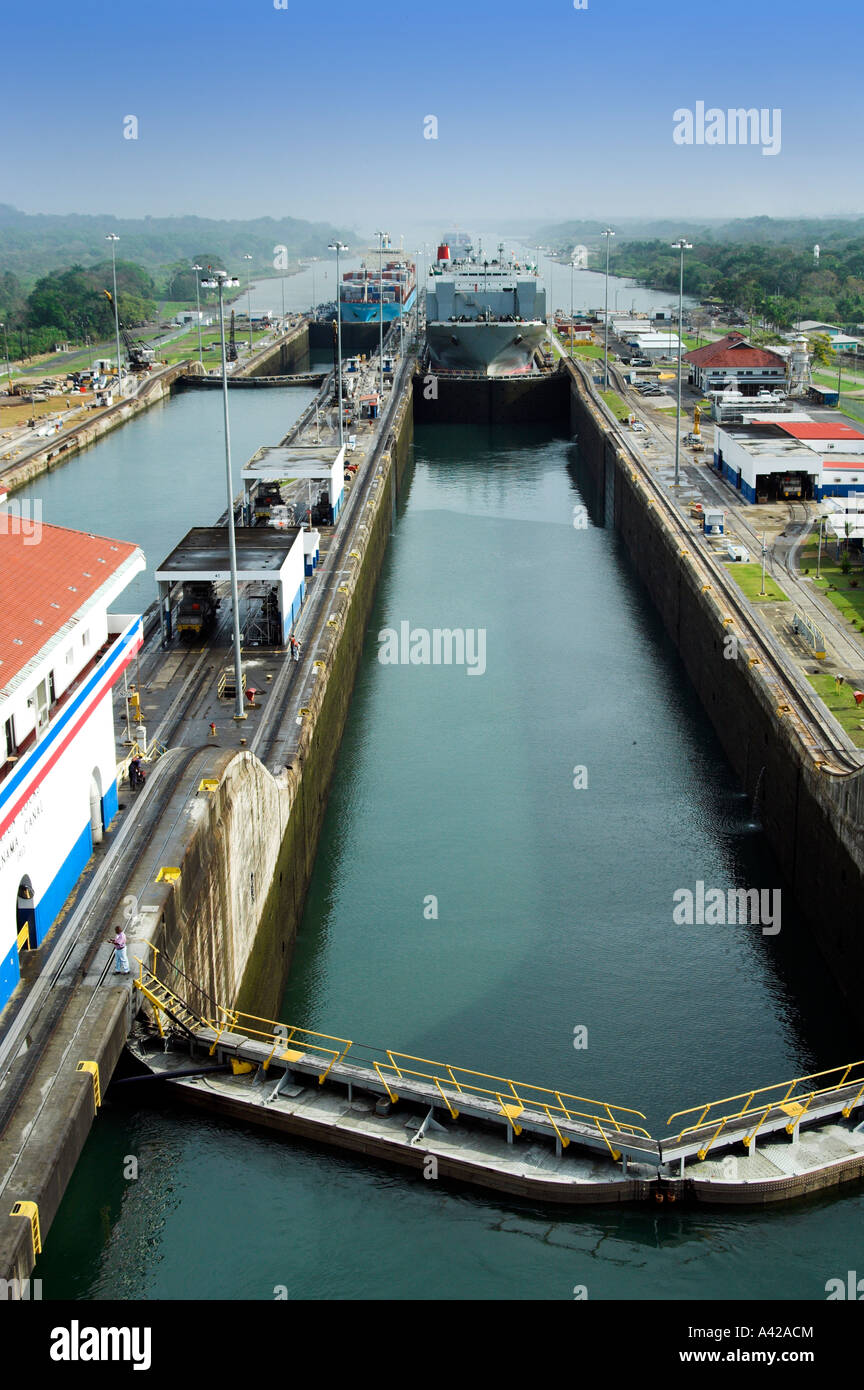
(187, 345)
(749, 581)
(852, 380)
(841, 704)
(848, 600)
(579, 349)
(616, 405)
(169, 308)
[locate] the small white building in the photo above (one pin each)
(733, 361)
(194, 317)
(655, 345)
(61, 652)
(784, 457)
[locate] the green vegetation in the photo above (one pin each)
(842, 705)
(616, 405)
(777, 283)
(34, 244)
(749, 581)
(846, 591)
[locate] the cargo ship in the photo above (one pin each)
(362, 291)
(485, 316)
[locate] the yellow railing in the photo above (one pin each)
(288, 1040)
(794, 1097)
(513, 1098)
(561, 1109)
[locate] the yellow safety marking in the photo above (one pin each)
(792, 1108)
(93, 1068)
(511, 1111)
(24, 938)
(208, 784)
(240, 1068)
(291, 1054)
(683, 552)
(453, 1111)
(706, 588)
(31, 1212)
(320, 664)
(168, 874)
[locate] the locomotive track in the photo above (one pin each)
(74, 955)
(834, 756)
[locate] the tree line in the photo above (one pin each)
(76, 304)
(779, 284)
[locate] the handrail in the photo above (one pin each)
(527, 1095)
(559, 1108)
(772, 1097)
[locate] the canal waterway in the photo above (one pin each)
(471, 904)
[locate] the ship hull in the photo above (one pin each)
(495, 349)
(370, 312)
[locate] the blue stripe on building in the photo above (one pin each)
(28, 763)
(10, 974)
(52, 900)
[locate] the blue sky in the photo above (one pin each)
(544, 111)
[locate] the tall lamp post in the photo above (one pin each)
(249, 300)
(113, 238)
(196, 268)
(572, 267)
(608, 233)
(8, 368)
(221, 281)
(338, 247)
(382, 237)
(681, 245)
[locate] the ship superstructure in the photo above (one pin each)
(362, 291)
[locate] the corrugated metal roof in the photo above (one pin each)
(44, 583)
(820, 429)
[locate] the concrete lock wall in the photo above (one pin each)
(813, 821)
(247, 850)
(440, 399)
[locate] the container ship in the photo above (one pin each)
(483, 316)
(362, 291)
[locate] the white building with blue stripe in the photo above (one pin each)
(62, 649)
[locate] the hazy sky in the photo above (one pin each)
(317, 110)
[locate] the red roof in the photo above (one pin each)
(43, 583)
(733, 351)
(844, 463)
(820, 429)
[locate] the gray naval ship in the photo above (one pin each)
(483, 315)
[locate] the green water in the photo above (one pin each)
(554, 910)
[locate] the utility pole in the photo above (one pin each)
(682, 245)
(382, 237)
(608, 234)
(113, 238)
(338, 247)
(249, 302)
(196, 268)
(221, 281)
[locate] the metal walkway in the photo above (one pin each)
(814, 1099)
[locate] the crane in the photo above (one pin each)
(140, 356)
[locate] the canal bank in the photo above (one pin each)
(287, 355)
(553, 912)
(810, 796)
